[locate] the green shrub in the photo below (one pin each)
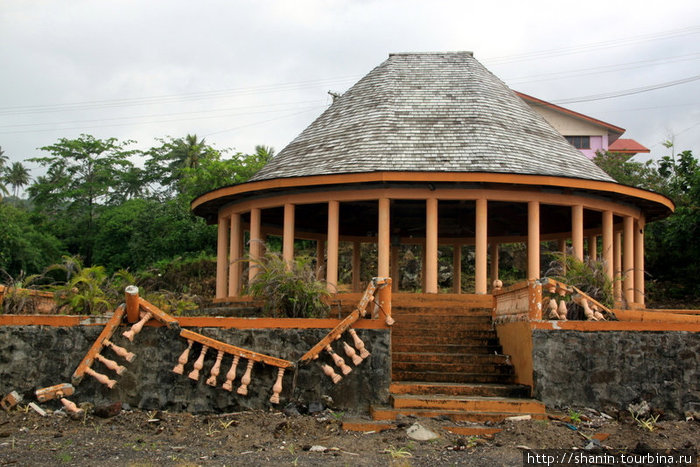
(588, 276)
(290, 290)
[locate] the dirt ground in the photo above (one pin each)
(139, 438)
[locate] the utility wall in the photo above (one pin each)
(35, 356)
(608, 368)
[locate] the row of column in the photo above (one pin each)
(623, 252)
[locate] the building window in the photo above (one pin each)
(579, 142)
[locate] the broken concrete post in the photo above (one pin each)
(71, 407)
(111, 364)
(245, 380)
(277, 388)
(352, 354)
(54, 392)
(211, 381)
(104, 379)
(182, 360)
(328, 371)
(120, 351)
(359, 345)
(198, 364)
(136, 328)
(132, 303)
(338, 360)
(231, 375)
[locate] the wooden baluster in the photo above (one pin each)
(352, 355)
(211, 381)
(245, 380)
(182, 361)
(104, 379)
(194, 374)
(121, 351)
(231, 375)
(136, 328)
(70, 406)
(338, 360)
(277, 388)
(328, 371)
(552, 309)
(562, 311)
(359, 345)
(111, 364)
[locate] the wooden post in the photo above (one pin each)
(235, 253)
(111, 364)
(182, 360)
(533, 240)
(332, 256)
(231, 375)
(384, 302)
(431, 245)
(246, 379)
(255, 243)
(221, 258)
(211, 381)
(288, 235)
(198, 364)
(617, 265)
(639, 262)
(577, 231)
(136, 328)
(494, 262)
(628, 259)
(481, 247)
(383, 238)
(131, 294)
(121, 351)
(607, 253)
(277, 388)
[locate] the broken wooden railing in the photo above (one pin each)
(357, 353)
(545, 298)
(237, 353)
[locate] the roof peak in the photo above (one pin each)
(456, 52)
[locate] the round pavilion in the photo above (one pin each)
(432, 149)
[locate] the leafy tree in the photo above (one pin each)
(25, 247)
(3, 162)
(82, 174)
(17, 176)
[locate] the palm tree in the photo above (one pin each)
(187, 153)
(17, 176)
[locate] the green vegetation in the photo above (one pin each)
(588, 276)
(289, 289)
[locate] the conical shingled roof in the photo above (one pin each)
(430, 112)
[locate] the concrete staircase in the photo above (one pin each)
(446, 361)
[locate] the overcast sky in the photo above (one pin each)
(242, 73)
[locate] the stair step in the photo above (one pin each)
(477, 367)
(446, 377)
(421, 320)
(442, 357)
(448, 332)
(451, 329)
(473, 389)
(432, 339)
(478, 348)
(441, 311)
(389, 413)
(467, 403)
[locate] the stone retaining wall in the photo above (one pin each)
(33, 357)
(615, 368)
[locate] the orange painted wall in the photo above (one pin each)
(516, 340)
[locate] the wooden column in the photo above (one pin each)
(607, 253)
(234, 254)
(431, 245)
(383, 238)
(255, 243)
(422, 267)
(395, 268)
(533, 240)
(356, 266)
(222, 258)
(481, 247)
(457, 268)
(494, 261)
(617, 265)
(577, 231)
(288, 234)
(628, 259)
(639, 262)
(332, 255)
(593, 247)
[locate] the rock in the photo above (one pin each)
(291, 410)
(420, 433)
(318, 448)
(107, 411)
(315, 407)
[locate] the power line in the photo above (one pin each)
(626, 92)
